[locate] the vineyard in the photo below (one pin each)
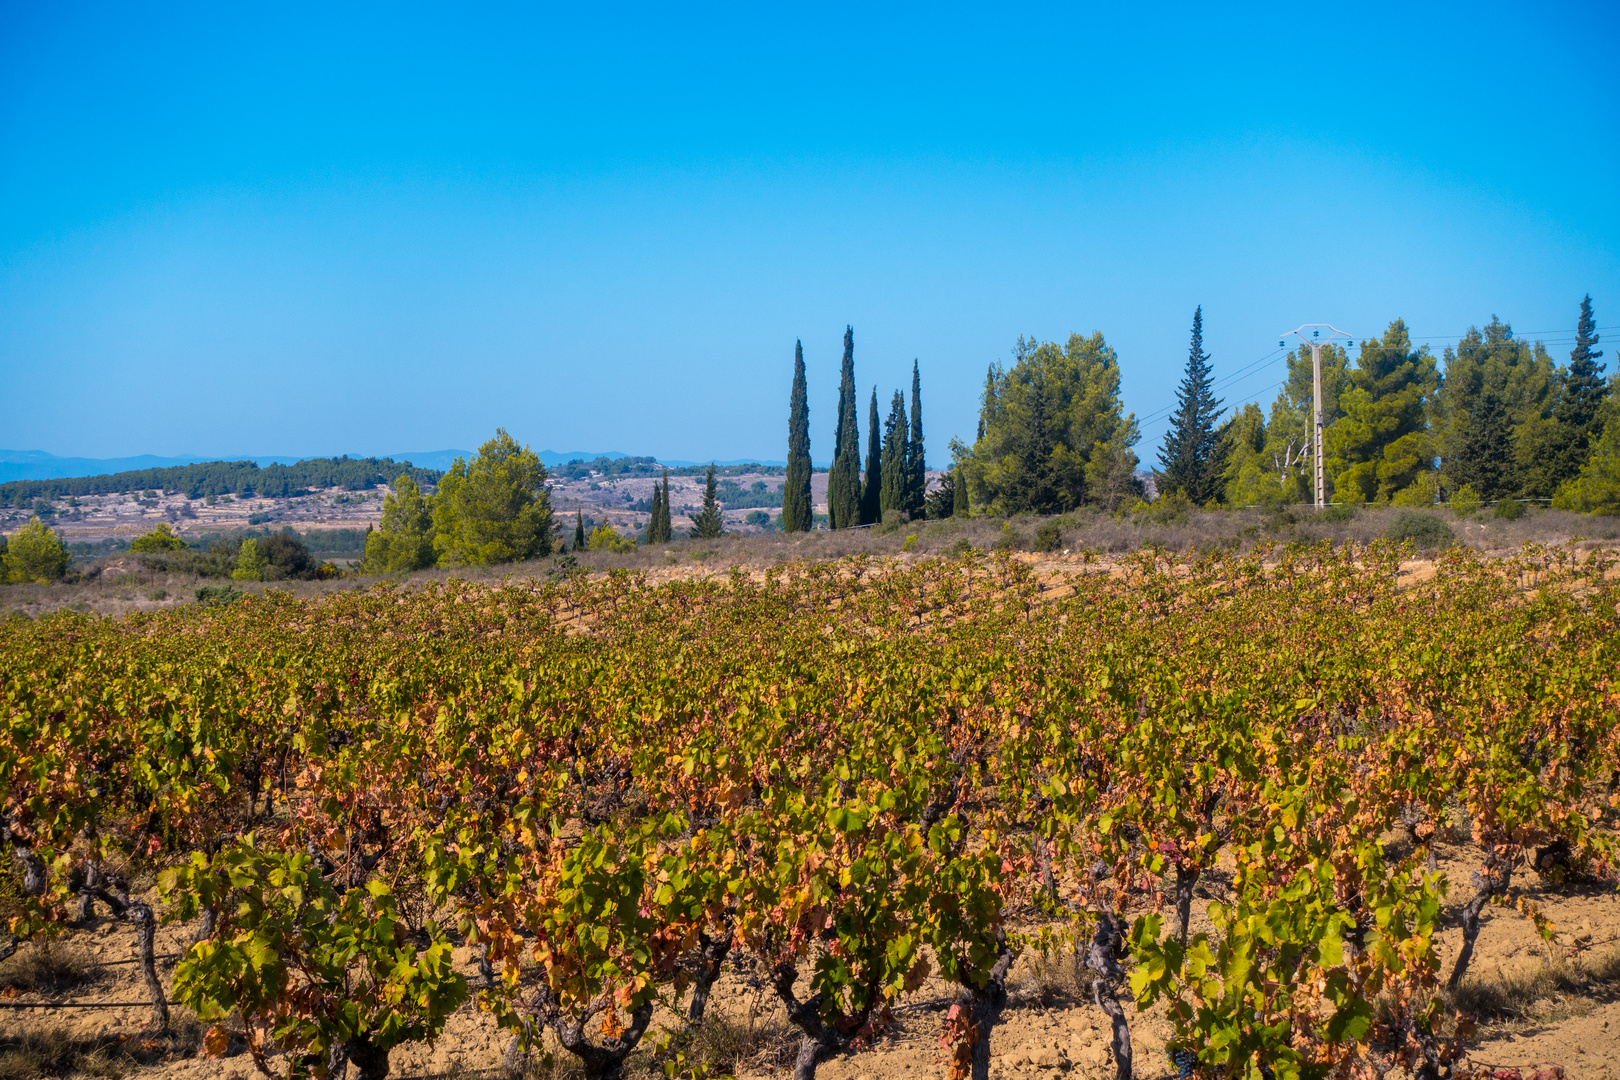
(835, 783)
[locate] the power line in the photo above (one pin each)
(1276, 354)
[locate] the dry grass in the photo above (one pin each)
(1545, 994)
(46, 968)
(54, 1051)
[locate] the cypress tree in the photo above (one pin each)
(1191, 456)
(1485, 454)
(872, 488)
(960, 509)
(796, 508)
(708, 524)
(652, 519)
(666, 530)
(916, 463)
(843, 480)
(894, 457)
(579, 530)
(1578, 414)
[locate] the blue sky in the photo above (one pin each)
(276, 229)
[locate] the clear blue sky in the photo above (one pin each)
(274, 229)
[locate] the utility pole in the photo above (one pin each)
(1315, 342)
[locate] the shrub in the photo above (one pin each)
(1008, 538)
(37, 554)
(161, 538)
(1338, 513)
(1465, 501)
(258, 519)
(286, 556)
(249, 562)
(1425, 530)
(211, 595)
(604, 538)
(1508, 510)
(1049, 537)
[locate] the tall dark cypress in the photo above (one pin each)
(960, 493)
(1579, 412)
(668, 528)
(916, 463)
(844, 480)
(894, 456)
(579, 530)
(796, 506)
(1191, 456)
(872, 483)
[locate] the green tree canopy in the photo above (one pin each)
(1191, 456)
(872, 483)
(1381, 443)
(796, 512)
(404, 542)
(895, 473)
(496, 510)
(1578, 415)
(916, 460)
(1525, 379)
(1053, 427)
(35, 553)
(161, 538)
(1597, 489)
(843, 479)
(708, 523)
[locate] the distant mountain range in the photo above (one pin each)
(38, 465)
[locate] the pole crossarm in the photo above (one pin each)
(1315, 341)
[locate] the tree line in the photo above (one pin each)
(1493, 418)
(244, 479)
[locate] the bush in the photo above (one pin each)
(1508, 510)
(604, 538)
(161, 538)
(258, 519)
(1426, 531)
(1465, 501)
(285, 556)
(1338, 513)
(36, 554)
(212, 595)
(1049, 537)
(249, 562)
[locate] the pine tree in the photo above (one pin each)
(895, 473)
(708, 524)
(872, 485)
(579, 530)
(1191, 457)
(796, 507)
(1578, 415)
(916, 463)
(1485, 458)
(843, 480)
